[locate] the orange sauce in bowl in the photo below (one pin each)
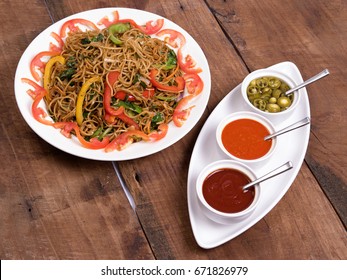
(244, 138)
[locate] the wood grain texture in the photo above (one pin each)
(313, 35)
(57, 206)
(160, 192)
(54, 205)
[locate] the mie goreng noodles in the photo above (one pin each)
(113, 86)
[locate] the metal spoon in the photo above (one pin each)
(291, 127)
(322, 74)
(279, 170)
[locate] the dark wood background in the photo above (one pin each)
(57, 206)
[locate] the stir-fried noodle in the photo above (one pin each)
(92, 53)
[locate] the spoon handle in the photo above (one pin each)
(322, 74)
(291, 127)
(283, 168)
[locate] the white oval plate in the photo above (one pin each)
(136, 150)
(291, 146)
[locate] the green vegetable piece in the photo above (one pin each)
(118, 29)
(131, 106)
(274, 83)
(171, 60)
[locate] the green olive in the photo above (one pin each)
(273, 100)
(267, 94)
(284, 102)
(273, 108)
(253, 83)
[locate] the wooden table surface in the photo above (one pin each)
(57, 206)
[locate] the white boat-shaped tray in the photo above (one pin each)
(291, 146)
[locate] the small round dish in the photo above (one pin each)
(264, 88)
(240, 136)
(217, 215)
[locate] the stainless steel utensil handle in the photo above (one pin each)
(283, 168)
(291, 127)
(322, 74)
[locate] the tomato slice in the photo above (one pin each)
(106, 22)
(153, 27)
(175, 39)
(94, 143)
(37, 64)
(72, 25)
(194, 84)
(160, 133)
(125, 139)
(37, 94)
(55, 48)
(179, 80)
(180, 115)
(187, 64)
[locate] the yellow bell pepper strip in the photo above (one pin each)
(48, 71)
(80, 98)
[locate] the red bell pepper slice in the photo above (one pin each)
(125, 139)
(37, 64)
(111, 78)
(179, 80)
(160, 133)
(73, 27)
(122, 116)
(148, 93)
(106, 22)
(122, 95)
(194, 84)
(180, 115)
(94, 143)
(129, 121)
(175, 39)
(187, 64)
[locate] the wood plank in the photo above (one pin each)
(54, 205)
(313, 35)
(160, 192)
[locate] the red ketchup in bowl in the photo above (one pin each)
(222, 190)
(244, 138)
